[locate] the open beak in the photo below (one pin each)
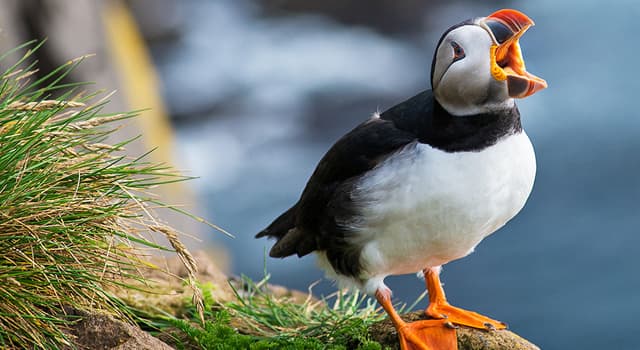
(506, 27)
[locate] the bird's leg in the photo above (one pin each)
(419, 335)
(439, 308)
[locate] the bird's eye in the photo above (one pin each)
(458, 51)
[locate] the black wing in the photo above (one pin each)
(314, 222)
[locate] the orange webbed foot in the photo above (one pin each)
(419, 335)
(463, 317)
(439, 308)
(427, 335)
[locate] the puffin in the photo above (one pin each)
(421, 184)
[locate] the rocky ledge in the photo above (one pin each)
(468, 338)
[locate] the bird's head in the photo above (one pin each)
(478, 65)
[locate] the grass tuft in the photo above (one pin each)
(339, 318)
(260, 318)
(76, 214)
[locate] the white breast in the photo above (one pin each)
(423, 207)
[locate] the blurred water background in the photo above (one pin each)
(260, 90)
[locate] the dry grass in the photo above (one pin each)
(76, 215)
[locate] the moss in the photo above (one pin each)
(217, 334)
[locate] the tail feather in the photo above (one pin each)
(280, 226)
(290, 239)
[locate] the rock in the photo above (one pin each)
(277, 291)
(99, 331)
(468, 338)
(208, 273)
(169, 293)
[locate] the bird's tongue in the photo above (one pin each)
(507, 26)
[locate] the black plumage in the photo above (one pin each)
(316, 221)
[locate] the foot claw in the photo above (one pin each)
(451, 325)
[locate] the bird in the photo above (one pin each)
(421, 184)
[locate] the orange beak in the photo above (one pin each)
(506, 27)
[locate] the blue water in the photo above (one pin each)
(563, 273)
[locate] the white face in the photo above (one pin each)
(462, 80)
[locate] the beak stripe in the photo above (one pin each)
(507, 26)
(515, 20)
(500, 32)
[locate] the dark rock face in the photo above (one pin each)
(390, 17)
(395, 18)
(98, 331)
(468, 338)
